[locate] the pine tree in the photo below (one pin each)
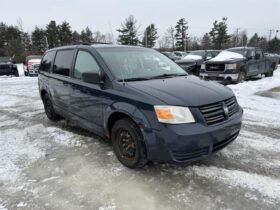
(254, 41)
(65, 34)
(3, 41)
(181, 34)
(76, 37)
(52, 33)
(14, 46)
(39, 44)
(26, 40)
(128, 32)
(206, 42)
(274, 45)
(150, 36)
(86, 35)
(219, 34)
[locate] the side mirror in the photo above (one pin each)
(93, 77)
(257, 56)
(208, 58)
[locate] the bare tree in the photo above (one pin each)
(170, 32)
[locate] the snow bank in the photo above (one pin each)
(192, 57)
(20, 69)
(257, 108)
(227, 55)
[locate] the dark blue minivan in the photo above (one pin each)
(142, 101)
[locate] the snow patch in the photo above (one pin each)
(192, 57)
(227, 56)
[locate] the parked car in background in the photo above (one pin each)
(181, 54)
(31, 65)
(192, 62)
(171, 55)
(238, 64)
(7, 67)
(148, 106)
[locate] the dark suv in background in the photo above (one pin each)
(148, 106)
(192, 62)
(7, 67)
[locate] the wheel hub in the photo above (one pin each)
(126, 144)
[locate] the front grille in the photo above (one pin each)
(215, 67)
(36, 66)
(220, 111)
(185, 156)
(220, 145)
(4, 66)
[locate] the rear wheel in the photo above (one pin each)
(269, 74)
(128, 143)
(49, 110)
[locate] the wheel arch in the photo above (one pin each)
(123, 110)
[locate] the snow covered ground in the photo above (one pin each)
(45, 165)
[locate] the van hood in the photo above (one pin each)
(183, 91)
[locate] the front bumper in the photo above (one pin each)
(189, 142)
(220, 76)
(33, 72)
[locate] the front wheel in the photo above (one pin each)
(128, 144)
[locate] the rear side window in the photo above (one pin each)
(63, 61)
(85, 63)
(47, 61)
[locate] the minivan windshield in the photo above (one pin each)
(139, 63)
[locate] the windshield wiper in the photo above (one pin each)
(135, 79)
(167, 76)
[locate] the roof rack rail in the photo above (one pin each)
(91, 43)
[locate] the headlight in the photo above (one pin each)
(174, 114)
(231, 66)
(203, 66)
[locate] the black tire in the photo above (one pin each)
(128, 143)
(49, 110)
(16, 73)
(241, 77)
(269, 74)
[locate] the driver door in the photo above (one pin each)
(252, 63)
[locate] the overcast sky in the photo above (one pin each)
(252, 15)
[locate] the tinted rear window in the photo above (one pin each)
(63, 61)
(47, 60)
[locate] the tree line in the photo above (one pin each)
(17, 43)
